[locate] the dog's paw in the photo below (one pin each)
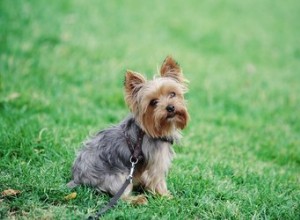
(136, 200)
(167, 195)
(140, 200)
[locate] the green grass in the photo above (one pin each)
(62, 65)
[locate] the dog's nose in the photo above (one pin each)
(170, 108)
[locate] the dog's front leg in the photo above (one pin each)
(155, 183)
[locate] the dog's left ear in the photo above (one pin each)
(170, 68)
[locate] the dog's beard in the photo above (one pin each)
(159, 123)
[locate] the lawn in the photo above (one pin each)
(62, 66)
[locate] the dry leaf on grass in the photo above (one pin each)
(12, 96)
(10, 192)
(71, 196)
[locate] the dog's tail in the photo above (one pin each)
(72, 184)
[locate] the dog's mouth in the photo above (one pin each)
(171, 115)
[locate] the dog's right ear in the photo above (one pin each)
(133, 83)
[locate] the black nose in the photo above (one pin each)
(170, 108)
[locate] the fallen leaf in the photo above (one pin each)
(10, 192)
(13, 96)
(71, 196)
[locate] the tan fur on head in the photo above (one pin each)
(158, 105)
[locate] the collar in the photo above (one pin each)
(166, 139)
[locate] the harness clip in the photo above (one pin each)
(133, 163)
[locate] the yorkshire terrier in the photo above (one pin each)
(158, 108)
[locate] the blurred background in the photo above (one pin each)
(62, 65)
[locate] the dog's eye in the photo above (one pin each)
(153, 102)
(172, 94)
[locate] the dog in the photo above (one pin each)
(158, 109)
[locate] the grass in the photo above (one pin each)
(62, 65)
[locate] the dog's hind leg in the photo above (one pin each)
(72, 184)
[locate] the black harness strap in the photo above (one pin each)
(136, 155)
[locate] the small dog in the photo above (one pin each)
(158, 109)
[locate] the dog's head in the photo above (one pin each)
(158, 105)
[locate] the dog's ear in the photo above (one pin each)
(170, 68)
(133, 83)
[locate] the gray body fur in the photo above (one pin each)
(104, 163)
